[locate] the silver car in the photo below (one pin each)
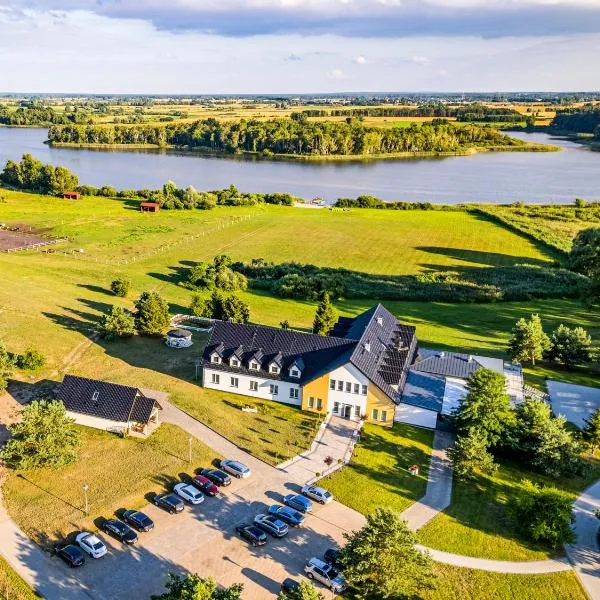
(326, 574)
(235, 468)
(318, 494)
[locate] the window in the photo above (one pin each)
(274, 389)
(332, 384)
(254, 386)
(215, 378)
(215, 359)
(340, 386)
(319, 404)
(235, 362)
(375, 414)
(364, 390)
(336, 407)
(384, 415)
(254, 366)
(357, 412)
(295, 373)
(235, 382)
(294, 393)
(311, 402)
(356, 388)
(348, 387)
(274, 369)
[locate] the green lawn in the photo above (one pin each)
(379, 468)
(12, 587)
(479, 523)
(48, 504)
(455, 583)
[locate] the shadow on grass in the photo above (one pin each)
(481, 258)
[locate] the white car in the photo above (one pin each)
(91, 544)
(189, 493)
(319, 494)
(235, 468)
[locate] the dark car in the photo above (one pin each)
(205, 485)
(289, 585)
(138, 520)
(72, 555)
(298, 502)
(332, 556)
(169, 502)
(252, 534)
(217, 476)
(120, 530)
(287, 515)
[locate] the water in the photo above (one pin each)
(497, 177)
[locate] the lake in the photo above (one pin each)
(497, 177)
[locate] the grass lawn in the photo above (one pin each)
(479, 523)
(48, 504)
(379, 468)
(468, 584)
(12, 587)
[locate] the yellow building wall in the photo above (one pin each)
(318, 388)
(377, 399)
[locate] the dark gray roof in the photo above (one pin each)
(424, 390)
(448, 364)
(375, 342)
(105, 400)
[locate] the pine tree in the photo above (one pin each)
(325, 317)
(529, 342)
(591, 431)
(118, 323)
(152, 316)
(570, 346)
(470, 455)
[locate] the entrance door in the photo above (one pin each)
(347, 411)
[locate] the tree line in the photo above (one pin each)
(289, 136)
(40, 116)
(583, 120)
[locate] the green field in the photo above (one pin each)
(379, 466)
(48, 504)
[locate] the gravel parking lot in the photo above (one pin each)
(202, 540)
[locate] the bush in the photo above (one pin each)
(30, 360)
(152, 316)
(120, 287)
(118, 323)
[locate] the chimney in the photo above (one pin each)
(367, 346)
(442, 355)
(380, 321)
(470, 358)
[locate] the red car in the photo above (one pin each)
(204, 484)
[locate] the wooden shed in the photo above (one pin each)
(71, 195)
(149, 207)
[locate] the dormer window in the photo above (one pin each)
(254, 365)
(274, 369)
(294, 372)
(234, 362)
(215, 359)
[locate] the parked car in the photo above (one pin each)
(169, 502)
(73, 555)
(289, 585)
(217, 477)
(332, 556)
(91, 544)
(204, 484)
(138, 520)
(326, 574)
(287, 515)
(120, 531)
(271, 524)
(189, 493)
(297, 502)
(252, 534)
(236, 468)
(319, 494)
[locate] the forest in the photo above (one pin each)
(583, 120)
(40, 116)
(289, 136)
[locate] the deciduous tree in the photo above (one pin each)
(305, 591)
(6, 366)
(194, 587)
(528, 342)
(570, 346)
(585, 252)
(226, 307)
(118, 323)
(120, 287)
(30, 360)
(45, 437)
(381, 560)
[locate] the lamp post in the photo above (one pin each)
(190, 449)
(86, 487)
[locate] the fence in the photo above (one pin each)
(38, 245)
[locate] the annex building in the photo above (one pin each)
(359, 371)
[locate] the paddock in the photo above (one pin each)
(13, 241)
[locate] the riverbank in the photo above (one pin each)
(525, 147)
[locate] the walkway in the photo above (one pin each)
(584, 554)
(438, 494)
(336, 439)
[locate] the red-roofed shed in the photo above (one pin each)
(149, 207)
(71, 195)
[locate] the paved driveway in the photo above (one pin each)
(575, 402)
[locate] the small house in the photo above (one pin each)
(179, 338)
(149, 207)
(107, 406)
(71, 195)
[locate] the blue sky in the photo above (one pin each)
(298, 46)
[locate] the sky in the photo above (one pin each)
(298, 46)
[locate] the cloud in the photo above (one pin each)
(293, 57)
(360, 60)
(421, 60)
(336, 74)
(349, 18)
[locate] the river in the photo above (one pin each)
(497, 177)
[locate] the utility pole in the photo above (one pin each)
(190, 449)
(86, 487)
